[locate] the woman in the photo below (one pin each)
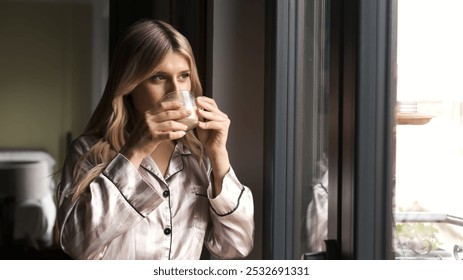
(135, 184)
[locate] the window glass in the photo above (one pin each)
(312, 130)
(429, 131)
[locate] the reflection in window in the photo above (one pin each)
(312, 132)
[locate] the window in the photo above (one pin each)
(296, 127)
(429, 131)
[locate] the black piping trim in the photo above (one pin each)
(115, 185)
(231, 212)
(171, 228)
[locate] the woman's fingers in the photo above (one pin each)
(166, 112)
(169, 125)
(157, 125)
(168, 135)
(165, 106)
(208, 110)
(212, 116)
(213, 121)
(206, 103)
(162, 123)
(213, 125)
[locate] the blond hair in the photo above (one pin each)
(137, 55)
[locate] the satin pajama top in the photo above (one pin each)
(130, 213)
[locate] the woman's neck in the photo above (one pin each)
(162, 155)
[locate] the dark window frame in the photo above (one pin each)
(361, 150)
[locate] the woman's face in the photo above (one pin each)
(173, 74)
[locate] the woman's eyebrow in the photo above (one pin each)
(167, 74)
(160, 73)
(185, 71)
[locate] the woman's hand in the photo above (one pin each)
(212, 131)
(213, 125)
(153, 127)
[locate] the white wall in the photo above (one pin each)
(238, 88)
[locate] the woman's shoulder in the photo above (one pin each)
(83, 143)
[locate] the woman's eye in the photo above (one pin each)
(158, 78)
(184, 76)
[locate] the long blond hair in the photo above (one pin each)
(136, 57)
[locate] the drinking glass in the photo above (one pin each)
(187, 98)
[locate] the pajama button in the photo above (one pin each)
(167, 231)
(165, 193)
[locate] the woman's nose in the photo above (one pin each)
(173, 86)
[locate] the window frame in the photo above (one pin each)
(362, 117)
